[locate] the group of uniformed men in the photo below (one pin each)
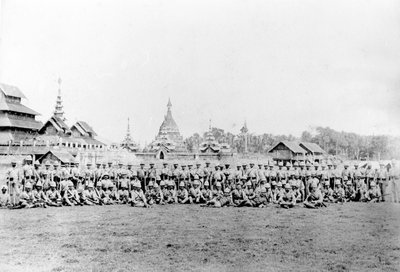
(309, 184)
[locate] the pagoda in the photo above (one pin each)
(17, 122)
(56, 124)
(211, 145)
(169, 138)
(128, 142)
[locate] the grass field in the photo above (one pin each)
(350, 237)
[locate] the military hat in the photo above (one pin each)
(120, 163)
(165, 163)
(218, 184)
(316, 164)
(326, 182)
(106, 175)
(13, 162)
(142, 163)
(249, 183)
(279, 184)
(170, 182)
(162, 183)
(373, 184)
(36, 163)
(296, 163)
(308, 164)
(90, 185)
(89, 163)
(337, 181)
(348, 182)
(302, 163)
(345, 178)
(280, 163)
(136, 184)
(244, 164)
(284, 181)
(156, 185)
(251, 163)
(4, 187)
(267, 185)
(181, 184)
(263, 179)
(28, 185)
(70, 184)
(287, 186)
(151, 184)
(198, 163)
(98, 184)
(288, 164)
(294, 184)
(39, 184)
(130, 164)
(206, 183)
(227, 190)
(98, 163)
(273, 183)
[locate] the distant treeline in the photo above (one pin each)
(346, 144)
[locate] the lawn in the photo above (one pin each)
(349, 237)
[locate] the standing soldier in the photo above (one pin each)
(164, 171)
(151, 175)
(200, 172)
(208, 172)
(14, 182)
(238, 173)
(394, 177)
(142, 174)
(176, 174)
(382, 180)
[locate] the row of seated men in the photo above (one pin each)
(286, 193)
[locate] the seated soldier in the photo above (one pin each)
(287, 199)
(53, 196)
(195, 193)
(91, 194)
(169, 193)
(238, 195)
(206, 193)
(221, 199)
(71, 196)
(137, 197)
(360, 190)
(296, 191)
(327, 192)
(158, 196)
(277, 194)
(26, 198)
(182, 194)
(349, 192)
(260, 198)
(40, 196)
(4, 197)
(373, 194)
(80, 192)
(338, 194)
(124, 194)
(314, 199)
(249, 192)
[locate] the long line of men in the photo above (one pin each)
(313, 184)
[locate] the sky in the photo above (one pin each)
(283, 66)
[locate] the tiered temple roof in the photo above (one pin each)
(168, 136)
(17, 122)
(128, 142)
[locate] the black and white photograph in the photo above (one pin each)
(199, 135)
